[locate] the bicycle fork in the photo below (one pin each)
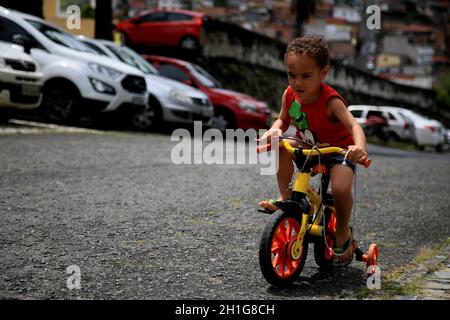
(301, 189)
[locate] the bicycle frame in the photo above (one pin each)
(302, 189)
(282, 253)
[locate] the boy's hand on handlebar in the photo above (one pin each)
(267, 136)
(357, 154)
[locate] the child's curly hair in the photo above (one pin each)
(313, 46)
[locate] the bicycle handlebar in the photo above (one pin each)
(310, 152)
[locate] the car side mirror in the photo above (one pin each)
(24, 41)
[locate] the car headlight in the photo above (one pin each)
(104, 70)
(180, 97)
(247, 106)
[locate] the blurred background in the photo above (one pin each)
(405, 63)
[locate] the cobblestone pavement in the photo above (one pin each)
(435, 284)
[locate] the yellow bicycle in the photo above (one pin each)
(308, 217)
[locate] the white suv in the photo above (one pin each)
(20, 80)
(399, 125)
(170, 101)
(76, 80)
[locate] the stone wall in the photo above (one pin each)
(254, 64)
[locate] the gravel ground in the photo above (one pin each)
(140, 227)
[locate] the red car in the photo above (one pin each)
(165, 28)
(232, 109)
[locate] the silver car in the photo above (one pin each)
(169, 101)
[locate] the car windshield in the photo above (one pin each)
(60, 37)
(204, 77)
(132, 58)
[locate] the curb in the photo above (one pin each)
(427, 277)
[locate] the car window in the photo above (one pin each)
(179, 17)
(203, 76)
(391, 116)
(9, 28)
(356, 113)
(131, 58)
(407, 119)
(60, 37)
(154, 17)
(374, 113)
(95, 48)
(173, 72)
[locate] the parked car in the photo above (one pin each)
(428, 132)
(163, 27)
(76, 79)
(399, 125)
(169, 101)
(231, 109)
(21, 80)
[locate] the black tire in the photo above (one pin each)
(223, 119)
(149, 118)
(393, 136)
(278, 221)
(324, 260)
(60, 102)
(5, 115)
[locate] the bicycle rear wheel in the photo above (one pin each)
(323, 252)
(280, 266)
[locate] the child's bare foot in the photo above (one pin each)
(269, 205)
(345, 246)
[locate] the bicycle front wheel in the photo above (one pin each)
(280, 266)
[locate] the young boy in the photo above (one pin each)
(319, 113)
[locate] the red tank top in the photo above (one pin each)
(313, 118)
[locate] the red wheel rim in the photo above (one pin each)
(285, 234)
(331, 227)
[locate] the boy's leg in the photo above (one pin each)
(341, 185)
(285, 172)
(284, 175)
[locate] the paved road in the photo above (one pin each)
(140, 227)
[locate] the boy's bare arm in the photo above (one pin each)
(338, 110)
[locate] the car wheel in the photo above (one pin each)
(222, 120)
(393, 136)
(5, 115)
(149, 118)
(439, 148)
(60, 103)
(189, 43)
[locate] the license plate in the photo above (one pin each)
(32, 91)
(138, 100)
(208, 112)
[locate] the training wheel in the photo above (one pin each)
(372, 258)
